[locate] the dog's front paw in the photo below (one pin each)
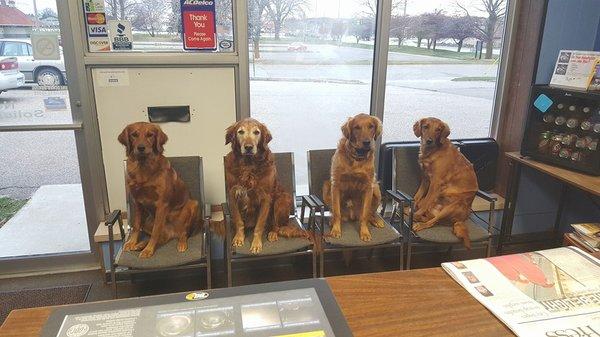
(256, 246)
(335, 232)
(238, 240)
(147, 252)
(365, 234)
(129, 246)
(272, 236)
(419, 226)
(182, 246)
(377, 222)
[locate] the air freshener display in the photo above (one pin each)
(563, 128)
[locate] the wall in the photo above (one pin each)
(210, 93)
(572, 24)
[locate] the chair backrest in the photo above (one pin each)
(319, 170)
(189, 169)
(284, 163)
(406, 172)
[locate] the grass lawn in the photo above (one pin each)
(467, 56)
(475, 79)
(9, 207)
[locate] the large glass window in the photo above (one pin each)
(443, 62)
(311, 65)
(156, 24)
(42, 211)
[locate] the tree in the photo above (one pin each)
(149, 15)
(338, 28)
(280, 10)
(460, 28)
(370, 7)
(361, 29)
(418, 29)
(434, 23)
(256, 13)
(488, 27)
(120, 9)
(174, 19)
(399, 27)
(48, 13)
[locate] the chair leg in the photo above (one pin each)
(113, 277)
(401, 255)
(408, 256)
(488, 252)
(322, 263)
(314, 261)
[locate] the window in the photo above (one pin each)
(443, 62)
(15, 49)
(310, 69)
(156, 24)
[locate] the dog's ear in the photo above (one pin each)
(417, 128)
(160, 140)
(445, 130)
(265, 135)
(124, 139)
(230, 133)
(378, 127)
(347, 128)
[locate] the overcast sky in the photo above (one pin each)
(322, 8)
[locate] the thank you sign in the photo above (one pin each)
(198, 24)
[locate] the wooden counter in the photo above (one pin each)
(424, 302)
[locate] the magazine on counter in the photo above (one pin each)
(575, 69)
(546, 293)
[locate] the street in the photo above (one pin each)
(303, 98)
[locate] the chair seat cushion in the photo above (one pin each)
(165, 256)
(444, 234)
(351, 238)
(281, 246)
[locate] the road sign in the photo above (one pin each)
(45, 46)
(198, 24)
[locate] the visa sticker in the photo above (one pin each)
(543, 103)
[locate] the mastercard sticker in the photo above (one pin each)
(96, 18)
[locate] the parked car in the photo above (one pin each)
(42, 72)
(297, 46)
(10, 76)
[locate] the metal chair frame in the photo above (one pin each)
(115, 217)
(320, 207)
(231, 257)
(399, 199)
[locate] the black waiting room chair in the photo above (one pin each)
(319, 168)
(166, 257)
(284, 247)
(406, 175)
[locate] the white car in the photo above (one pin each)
(10, 76)
(42, 72)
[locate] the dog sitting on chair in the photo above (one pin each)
(448, 181)
(255, 196)
(352, 193)
(162, 205)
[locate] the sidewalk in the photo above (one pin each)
(53, 221)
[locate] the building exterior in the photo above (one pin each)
(14, 23)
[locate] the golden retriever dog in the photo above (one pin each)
(255, 196)
(162, 206)
(448, 182)
(352, 193)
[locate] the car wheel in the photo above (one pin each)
(48, 77)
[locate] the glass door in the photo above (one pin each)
(311, 67)
(42, 208)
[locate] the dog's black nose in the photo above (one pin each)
(141, 148)
(367, 143)
(429, 141)
(248, 148)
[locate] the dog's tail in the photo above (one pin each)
(461, 232)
